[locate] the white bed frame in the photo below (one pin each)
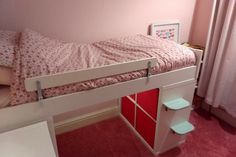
(45, 109)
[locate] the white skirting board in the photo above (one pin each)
(220, 114)
(86, 119)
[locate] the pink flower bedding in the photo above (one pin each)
(38, 55)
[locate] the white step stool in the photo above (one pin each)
(177, 104)
(182, 128)
(29, 141)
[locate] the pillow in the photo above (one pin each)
(38, 55)
(8, 42)
(42, 55)
(4, 96)
(5, 75)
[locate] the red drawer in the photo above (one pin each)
(128, 109)
(146, 127)
(148, 100)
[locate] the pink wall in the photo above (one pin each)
(201, 22)
(93, 20)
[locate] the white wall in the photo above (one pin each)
(201, 22)
(93, 20)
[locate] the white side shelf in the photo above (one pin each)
(182, 128)
(30, 141)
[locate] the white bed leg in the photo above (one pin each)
(51, 129)
(119, 104)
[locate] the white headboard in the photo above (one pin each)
(166, 29)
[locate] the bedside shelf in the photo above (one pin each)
(30, 141)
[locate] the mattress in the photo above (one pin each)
(4, 96)
(38, 55)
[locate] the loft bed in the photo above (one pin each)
(44, 109)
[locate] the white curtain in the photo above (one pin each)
(218, 78)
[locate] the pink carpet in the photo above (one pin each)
(112, 138)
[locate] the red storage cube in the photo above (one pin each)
(132, 96)
(146, 127)
(148, 100)
(128, 109)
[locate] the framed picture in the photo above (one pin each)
(166, 30)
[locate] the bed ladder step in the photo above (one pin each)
(176, 104)
(182, 128)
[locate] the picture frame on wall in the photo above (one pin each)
(166, 30)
